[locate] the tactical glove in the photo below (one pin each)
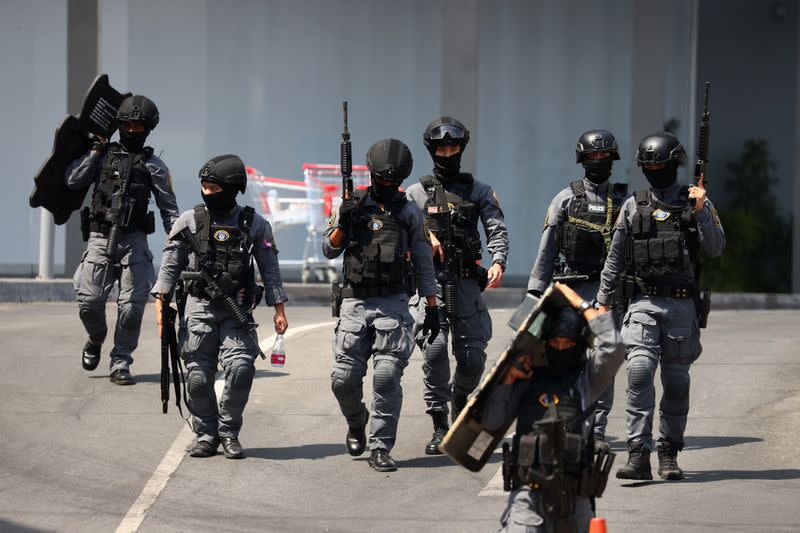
(430, 327)
(346, 214)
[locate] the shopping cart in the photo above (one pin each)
(324, 194)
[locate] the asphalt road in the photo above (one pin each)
(82, 454)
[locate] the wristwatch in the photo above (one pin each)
(584, 306)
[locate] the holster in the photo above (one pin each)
(150, 223)
(85, 213)
(594, 479)
(336, 298)
(703, 304)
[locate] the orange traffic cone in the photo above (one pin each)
(597, 525)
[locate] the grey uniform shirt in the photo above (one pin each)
(602, 361)
(544, 266)
(492, 218)
(710, 236)
(85, 171)
(413, 225)
(177, 256)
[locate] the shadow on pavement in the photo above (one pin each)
(305, 451)
(427, 461)
(724, 475)
(12, 527)
(699, 443)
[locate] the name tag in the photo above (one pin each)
(597, 208)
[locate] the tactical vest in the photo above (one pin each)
(464, 217)
(585, 237)
(662, 245)
(227, 250)
(100, 217)
(557, 457)
(374, 257)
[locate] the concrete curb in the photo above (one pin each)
(60, 290)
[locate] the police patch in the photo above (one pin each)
(374, 224)
(546, 399)
(715, 217)
(221, 235)
(597, 208)
(661, 215)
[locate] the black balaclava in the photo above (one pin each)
(220, 203)
(598, 170)
(133, 141)
(567, 323)
(447, 168)
(663, 177)
(384, 194)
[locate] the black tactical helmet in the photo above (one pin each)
(596, 141)
(138, 108)
(225, 170)
(390, 160)
(445, 130)
(660, 148)
(567, 323)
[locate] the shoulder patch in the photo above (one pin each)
(715, 217)
(332, 218)
(496, 200)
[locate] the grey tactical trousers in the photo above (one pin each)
(133, 269)
(525, 514)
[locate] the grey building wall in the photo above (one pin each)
(266, 80)
(33, 37)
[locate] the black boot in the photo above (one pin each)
(232, 448)
(203, 448)
(121, 376)
(440, 427)
(638, 465)
(668, 461)
(356, 440)
(379, 460)
(90, 356)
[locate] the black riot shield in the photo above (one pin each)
(97, 117)
(468, 443)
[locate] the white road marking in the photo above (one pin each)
(177, 451)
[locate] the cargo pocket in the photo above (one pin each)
(640, 330)
(520, 517)
(348, 335)
(392, 337)
(198, 339)
(681, 345)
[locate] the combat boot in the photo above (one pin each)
(232, 448)
(638, 465)
(668, 461)
(356, 439)
(380, 460)
(90, 356)
(440, 428)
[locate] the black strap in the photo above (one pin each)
(578, 188)
(202, 220)
(642, 196)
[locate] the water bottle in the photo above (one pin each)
(278, 352)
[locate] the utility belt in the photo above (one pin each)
(535, 466)
(679, 291)
(247, 299)
(362, 292)
(568, 274)
(89, 225)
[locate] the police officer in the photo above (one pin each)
(468, 201)
(229, 238)
(577, 233)
(377, 230)
(560, 378)
(659, 237)
(132, 262)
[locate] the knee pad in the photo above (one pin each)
(130, 315)
(241, 375)
(341, 382)
(200, 389)
(92, 311)
(386, 378)
(641, 372)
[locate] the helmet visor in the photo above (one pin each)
(442, 131)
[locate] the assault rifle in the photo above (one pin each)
(218, 287)
(119, 213)
(703, 133)
(346, 168)
(170, 356)
(449, 272)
